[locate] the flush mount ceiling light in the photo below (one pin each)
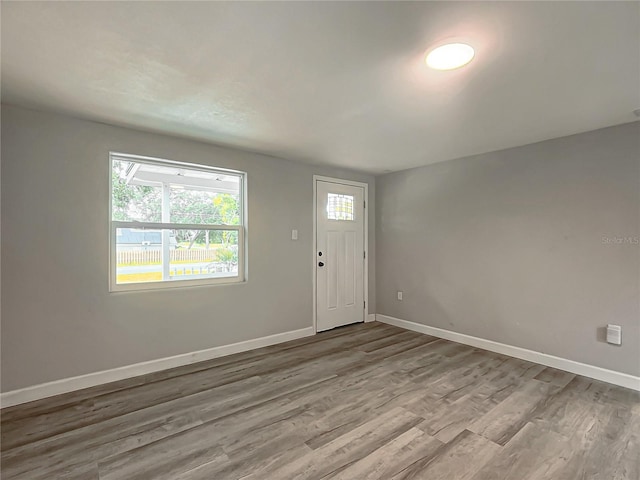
(450, 56)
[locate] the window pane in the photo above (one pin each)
(139, 255)
(195, 196)
(193, 254)
(204, 206)
(339, 207)
(204, 254)
(131, 201)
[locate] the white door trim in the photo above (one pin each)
(365, 186)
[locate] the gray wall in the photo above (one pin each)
(512, 246)
(58, 317)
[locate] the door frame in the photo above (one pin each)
(365, 271)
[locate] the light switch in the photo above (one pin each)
(294, 234)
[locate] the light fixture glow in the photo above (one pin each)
(450, 56)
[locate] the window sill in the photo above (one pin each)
(175, 284)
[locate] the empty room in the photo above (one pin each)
(320, 240)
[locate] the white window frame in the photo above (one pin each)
(241, 277)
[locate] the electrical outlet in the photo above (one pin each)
(294, 234)
(399, 295)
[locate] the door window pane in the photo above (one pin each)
(340, 207)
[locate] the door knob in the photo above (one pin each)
(320, 264)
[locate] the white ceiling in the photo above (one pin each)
(333, 83)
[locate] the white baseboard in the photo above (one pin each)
(370, 318)
(591, 371)
(37, 392)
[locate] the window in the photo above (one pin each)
(175, 224)
(340, 207)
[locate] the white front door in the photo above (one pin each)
(340, 212)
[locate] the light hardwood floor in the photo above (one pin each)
(368, 401)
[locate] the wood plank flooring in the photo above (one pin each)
(368, 401)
